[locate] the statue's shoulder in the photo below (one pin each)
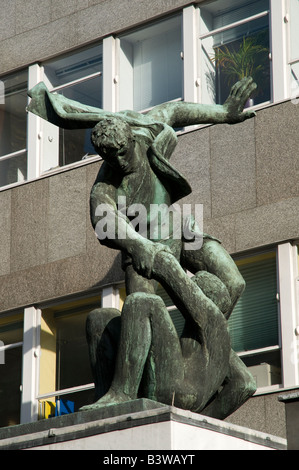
(106, 176)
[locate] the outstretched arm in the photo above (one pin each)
(182, 114)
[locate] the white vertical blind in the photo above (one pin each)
(157, 69)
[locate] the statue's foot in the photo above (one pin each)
(111, 398)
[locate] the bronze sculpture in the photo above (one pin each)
(138, 353)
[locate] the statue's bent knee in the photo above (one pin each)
(141, 302)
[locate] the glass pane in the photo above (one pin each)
(10, 381)
(216, 14)
(295, 82)
(13, 116)
(254, 321)
(13, 170)
(72, 361)
(65, 357)
(88, 92)
(151, 66)
(74, 145)
(233, 54)
(11, 331)
(265, 367)
(294, 17)
(74, 66)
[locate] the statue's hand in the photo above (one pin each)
(143, 256)
(234, 105)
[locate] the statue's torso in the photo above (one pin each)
(144, 189)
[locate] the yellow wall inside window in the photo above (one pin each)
(122, 297)
(48, 339)
(48, 353)
(11, 319)
(255, 259)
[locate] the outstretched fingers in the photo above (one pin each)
(246, 91)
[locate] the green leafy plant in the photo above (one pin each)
(250, 59)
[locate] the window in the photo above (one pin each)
(78, 77)
(11, 337)
(254, 323)
(66, 381)
(13, 128)
(294, 47)
(234, 44)
(151, 65)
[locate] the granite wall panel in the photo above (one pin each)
(29, 235)
(67, 215)
(192, 160)
(233, 173)
(277, 153)
(5, 232)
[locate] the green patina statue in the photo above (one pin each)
(138, 353)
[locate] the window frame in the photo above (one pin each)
(293, 90)
(119, 54)
(13, 319)
(203, 36)
(23, 151)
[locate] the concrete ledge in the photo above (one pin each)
(291, 401)
(139, 425)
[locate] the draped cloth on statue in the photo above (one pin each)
(161, 138)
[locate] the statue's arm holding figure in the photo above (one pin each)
(115, 231)
(183, 114)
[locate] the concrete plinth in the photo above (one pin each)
(291, 402)
(137, 425)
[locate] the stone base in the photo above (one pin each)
(136, 425)
(291, 401)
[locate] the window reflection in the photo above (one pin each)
(65, 358)
(11, 335)
(13, 128)
(151, 65)
(78, 77)
(230, 53)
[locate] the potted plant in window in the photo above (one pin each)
(250, 58)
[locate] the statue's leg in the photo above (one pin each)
(145, 324)
(239, 385)
(205, 342)
(213, 258)
(102, 334)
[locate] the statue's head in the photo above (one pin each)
(113, 139)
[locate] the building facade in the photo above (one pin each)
(132, 55)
